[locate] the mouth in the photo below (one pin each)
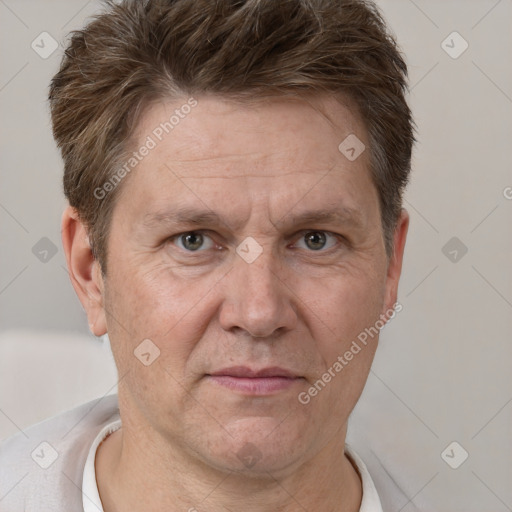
(255, 382)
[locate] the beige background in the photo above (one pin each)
(443, 367)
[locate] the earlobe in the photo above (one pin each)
(395, 262)
(84, 270)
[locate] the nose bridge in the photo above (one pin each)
(259, 275)
(258, 301)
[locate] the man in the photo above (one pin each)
(234, 172)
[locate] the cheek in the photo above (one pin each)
(344, 312)
(154, 303)
(351, 307)
(344, 305)
(150, 299)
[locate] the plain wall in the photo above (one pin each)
(446, 357)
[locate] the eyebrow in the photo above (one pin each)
(341, 216)
(182, 215)
(193, 217)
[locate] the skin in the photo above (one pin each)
(293, 307)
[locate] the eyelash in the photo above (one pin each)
(341, 240)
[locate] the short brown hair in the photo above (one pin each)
(140, 51)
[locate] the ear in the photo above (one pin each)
(84, 271)
(395, 261)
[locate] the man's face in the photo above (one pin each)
(261, 287)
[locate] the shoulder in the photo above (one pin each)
(41, 467)
(385, 436)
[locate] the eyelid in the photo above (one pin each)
(297, 236)
(339, 238)
(195, 231)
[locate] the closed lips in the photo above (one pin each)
(249, 373)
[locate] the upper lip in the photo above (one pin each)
(245, 371)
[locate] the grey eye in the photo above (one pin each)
(192, 241)
(317, 240)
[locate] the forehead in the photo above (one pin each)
(217, 127)
(229, 155)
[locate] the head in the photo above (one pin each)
(202, 142)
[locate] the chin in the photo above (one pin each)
(258, 446)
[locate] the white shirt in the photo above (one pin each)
(49, 467)
(92, 502)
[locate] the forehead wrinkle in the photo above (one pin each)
(186, 169)
(234, 158)
(228, 156)
(224, 177)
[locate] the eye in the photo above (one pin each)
(193, 241)
(317, 240)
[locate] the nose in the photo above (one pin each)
(257, 299)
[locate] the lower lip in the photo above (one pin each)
(254, 386)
